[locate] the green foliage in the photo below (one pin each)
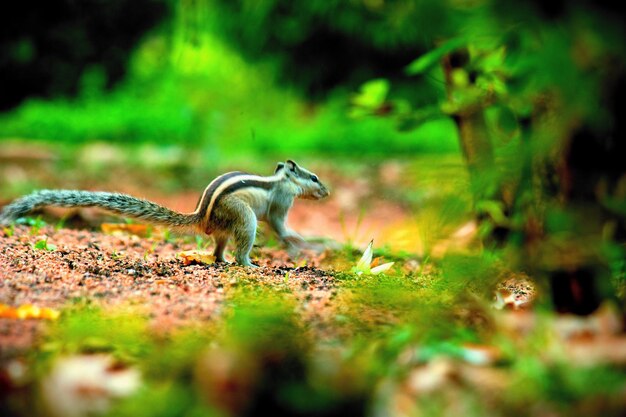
(532, 102)
(463, 274)
(202, 243)
(163, 400)
(264, 321)
(35, 223)
(185, 87)
(433, 57)
(563, 385)
(129, 114)
(60, 224)
(9, 230)
(377, 305)
(42, 244)
(84, 329)
(371, 98)
(319, 44)
(261, 347)
(208, 99)
(47, 49)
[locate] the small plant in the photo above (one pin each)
(9, 230)
(150, 251)
(42, 244)
(201, 244)
(364, 266)
(168, 236)
(60, 224)
(35, 223)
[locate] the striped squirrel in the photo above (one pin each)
(229, 207)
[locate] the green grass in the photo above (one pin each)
(263, 348)
(207, 99)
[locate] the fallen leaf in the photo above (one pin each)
(142, 230)
(197, 256)
(28, 311)
(7, 312)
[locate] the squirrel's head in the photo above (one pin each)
(309, 184)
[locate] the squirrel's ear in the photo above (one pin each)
(279, 166)
(292, 165)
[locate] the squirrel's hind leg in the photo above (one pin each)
(244, 235)
(236, 218)
(220, 247)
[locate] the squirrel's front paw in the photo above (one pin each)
(246, 262)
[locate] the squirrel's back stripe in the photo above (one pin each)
(228, 184)
(205, 198)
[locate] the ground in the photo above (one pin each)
(407, 341)
(114, 270)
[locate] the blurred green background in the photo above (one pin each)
(217, 78)
(506, 114)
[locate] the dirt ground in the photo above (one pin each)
(145, 273)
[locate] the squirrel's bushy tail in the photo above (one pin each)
(123, 204)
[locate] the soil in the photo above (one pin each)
(145, 273)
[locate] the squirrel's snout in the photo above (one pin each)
(322, 193)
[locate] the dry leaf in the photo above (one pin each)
(197, 256)
(376, 261)
(7, 312)
(28, 311)
(142, 230)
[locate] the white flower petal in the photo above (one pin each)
(381, 268)
(364, 264)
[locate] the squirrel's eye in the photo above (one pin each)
(314, 178)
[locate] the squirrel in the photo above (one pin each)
(230, 206)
